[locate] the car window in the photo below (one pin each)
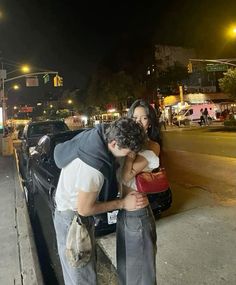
(43, 129)
(60, 127)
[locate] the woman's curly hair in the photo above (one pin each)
(127, 133)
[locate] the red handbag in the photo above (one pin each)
(152, 182)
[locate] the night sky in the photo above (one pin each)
(72, 37)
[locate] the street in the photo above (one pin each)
(203, 159)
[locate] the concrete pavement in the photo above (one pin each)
(18, 260)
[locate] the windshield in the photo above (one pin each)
(182, 112)
(49, 128)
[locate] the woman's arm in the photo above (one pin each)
(132, 166)
(154, 146)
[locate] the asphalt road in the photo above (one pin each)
(203, 159)
(211, 141)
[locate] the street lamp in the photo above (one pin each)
(231, 32)
(25, 69)
(14, 87)
(3, 79)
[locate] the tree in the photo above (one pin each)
(112, 88)
(228, 83)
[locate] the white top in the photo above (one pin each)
(153, 162)
(76, 176)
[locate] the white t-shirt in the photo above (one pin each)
(153, 162)
(76, 176)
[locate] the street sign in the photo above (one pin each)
(26, 109)
(3, 74)
(216, 67)
(32, 81)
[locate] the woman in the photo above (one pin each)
(136, 230)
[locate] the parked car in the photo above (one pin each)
(42, 183)
(29, 137)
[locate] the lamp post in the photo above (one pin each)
(14, 87)
(70, 106)
(3, 75)
(3, 79)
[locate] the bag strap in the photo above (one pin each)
(79, 218)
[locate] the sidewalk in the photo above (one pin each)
(195, 244)
(18, 260)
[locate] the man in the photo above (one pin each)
(205, 115)
(88, 175)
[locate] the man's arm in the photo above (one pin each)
(87, 205)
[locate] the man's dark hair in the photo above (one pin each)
(127, 133)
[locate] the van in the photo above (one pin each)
(192, 113)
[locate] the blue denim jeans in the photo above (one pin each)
(136, 247)
(86, 275)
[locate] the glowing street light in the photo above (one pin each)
(69, 101)
(15, 87)
(231, 32)
(25, 69)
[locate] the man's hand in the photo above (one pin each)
(134, 201)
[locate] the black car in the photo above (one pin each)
(29, 137)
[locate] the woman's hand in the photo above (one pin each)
(134, 201)
(131, 155)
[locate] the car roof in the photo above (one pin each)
(45, 122)
(66, 133)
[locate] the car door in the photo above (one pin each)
(44, 173)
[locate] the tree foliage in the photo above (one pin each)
(107, 87)
(228, 83)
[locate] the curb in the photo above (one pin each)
(29, 263)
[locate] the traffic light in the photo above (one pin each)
(60, 81)
(57, 81)
(190, 67)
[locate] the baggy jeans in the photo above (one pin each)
(136, 247)
(86, 275)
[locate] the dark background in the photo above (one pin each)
(73, 37)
